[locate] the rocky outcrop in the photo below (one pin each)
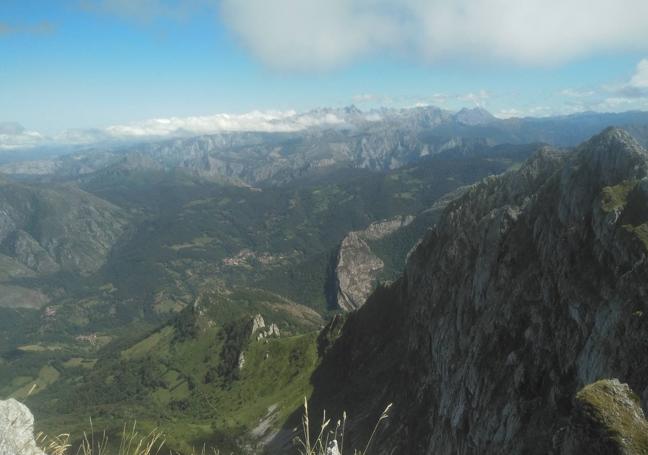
(532, 285)
(357, 267)
(607, 419)
(17, 430)
(355, 272)
(256, 323)
(255, 328)
(260, 331)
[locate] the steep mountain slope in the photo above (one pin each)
(49, 228)
(532, 285)
(46, 230)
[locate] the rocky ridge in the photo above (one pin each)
(532, 285)
(379, 139)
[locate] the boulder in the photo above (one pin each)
(17, 429)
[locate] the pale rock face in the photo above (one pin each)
(17, 430)
(273, 330)
(258, 323)
(357, 266)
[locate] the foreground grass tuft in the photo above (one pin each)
(131, 442)
(331, 441)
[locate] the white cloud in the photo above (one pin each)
(632, 94)
(640, 77)
(313, 34)
(635, 88)
(254, 121)
(322, 34)
(15, 136)
(12, 135)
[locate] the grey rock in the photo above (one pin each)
(273, 331)
(355, 272)
(17, 429)
(357, 267)
(257, 323)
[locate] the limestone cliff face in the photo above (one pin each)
(357, 267)
(532, 285)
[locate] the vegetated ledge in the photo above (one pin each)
(607, 419)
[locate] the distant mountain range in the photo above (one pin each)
(15, 140)
(322, 140)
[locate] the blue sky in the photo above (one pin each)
(96, 63)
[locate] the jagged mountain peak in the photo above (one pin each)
(613, 135)
(610, 158)
(613, 155)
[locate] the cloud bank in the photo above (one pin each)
(14, 136)
(313, 35)
(258, 121)
(323, 34)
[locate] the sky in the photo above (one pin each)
(70, 66)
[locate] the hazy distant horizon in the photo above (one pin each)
(15, 136)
